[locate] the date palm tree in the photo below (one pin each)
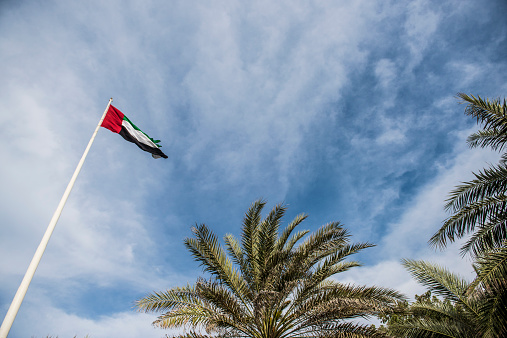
(479, 207)
(477, 309)
(271, 284)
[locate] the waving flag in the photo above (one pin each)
(118, 123)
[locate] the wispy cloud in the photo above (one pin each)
(342, 110)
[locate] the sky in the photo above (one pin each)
(343, 110)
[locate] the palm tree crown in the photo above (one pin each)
(271, 284)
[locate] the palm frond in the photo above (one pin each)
(349, 330)
(221, 298)
(466, 219)
(491, 266)
(193, 316)
(166, 300)
(443, 310)
(324, 241)
(336, 300)
(439, 280)
(330, 266)
(249, 236)
(420, 328)
(294, 239)
(487, 183)
(492, 114)
(268, 235)
(284, 237)
(238, 256)
(493, 138)
(488, 236)
(206, 250)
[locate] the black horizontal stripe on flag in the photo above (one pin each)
(155, 151)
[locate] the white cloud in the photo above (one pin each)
(236, 91)
(407, 237)
(386, 72)
(420, 26)
(425, 214)
(264, 91)
(467, 72)
(387, 273)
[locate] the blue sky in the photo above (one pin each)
(342, 110)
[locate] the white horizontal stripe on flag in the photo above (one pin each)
(139, 135)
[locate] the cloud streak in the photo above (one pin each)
(342, 110)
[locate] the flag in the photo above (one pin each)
(118, 123)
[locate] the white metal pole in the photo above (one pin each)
(23, 287)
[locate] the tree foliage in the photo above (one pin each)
(271, 284)
(479, 206)
(464, 309)
(405, 312)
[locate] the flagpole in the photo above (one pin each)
(23, 287)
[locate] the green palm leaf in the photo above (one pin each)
(440, 281)
(466, 219)
(492, 114)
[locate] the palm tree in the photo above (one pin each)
(271, 284)
(476, 309)
(480, 206)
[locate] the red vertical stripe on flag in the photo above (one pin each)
(113, 120)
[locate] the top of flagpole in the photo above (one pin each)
(104, 115)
